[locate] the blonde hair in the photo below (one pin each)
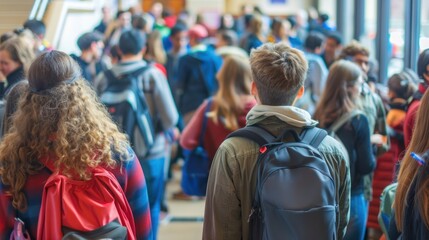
(59, 115)
(234, 79)
(337, 99)
(278, 71)
(409, 169)
(155, 51)
(19, 51)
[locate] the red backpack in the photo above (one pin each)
(93, 209)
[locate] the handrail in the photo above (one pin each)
(34, 9)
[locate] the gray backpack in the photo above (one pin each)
(295, 195)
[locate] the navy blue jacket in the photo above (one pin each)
(196, 79)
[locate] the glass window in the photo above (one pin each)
(396, 38)
(424, 28)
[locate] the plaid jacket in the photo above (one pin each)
(130, 177)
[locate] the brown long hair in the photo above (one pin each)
(234, 81)
(409, 168)
(337, 98)
(59, 114)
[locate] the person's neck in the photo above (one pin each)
(87, 57)
(131, 58)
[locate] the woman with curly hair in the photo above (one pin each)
(59, 116)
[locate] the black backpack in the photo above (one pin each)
(127, 105)
(295, 192)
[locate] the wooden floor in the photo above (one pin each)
(186, 216)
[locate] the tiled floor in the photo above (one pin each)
(186, 216)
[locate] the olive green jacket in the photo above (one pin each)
(231, 184)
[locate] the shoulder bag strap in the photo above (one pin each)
(204, 125)
(254, 133)
(343, 119)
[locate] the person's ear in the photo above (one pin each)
(254, 92)
(143, 51)
(300, 93)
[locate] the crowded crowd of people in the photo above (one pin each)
(200, 84)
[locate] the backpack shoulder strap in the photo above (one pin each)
(254, 133)
(313, 136)
(343, 119)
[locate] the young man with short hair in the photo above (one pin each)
(91, 46)
(279, 73)
(153, 83)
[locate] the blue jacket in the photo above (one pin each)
(196, 79)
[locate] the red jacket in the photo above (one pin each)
(215, 133)
(410, 118)
(385, 171)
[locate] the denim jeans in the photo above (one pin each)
(153, 170)
(358, 218)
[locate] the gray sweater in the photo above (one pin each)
(158, 96)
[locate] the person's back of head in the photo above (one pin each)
(197, 34)
(423, 66)
(402, 85)
(37, 27)
(228, 37)
(234, 79)
(256, 24)
(336, 36)
(138, 21)
(314, 42)
(85, 41)
(352, 49)
(341, 91)
(58, 113)
(278, 71)
(155, 50)
(132, 42)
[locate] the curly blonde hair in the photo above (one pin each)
(58, 115)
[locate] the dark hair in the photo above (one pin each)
(336, 36)
(324, 17)
(138, 21)
(36, 26)
(292, 21)
(132, 42)
(115, 52)
(313, 41)
(258, 10)
(229, 36)
(402, 84)
(166, 13)
(177, 29)
(6, 36)
(85, 40)
(422, 63)
(275, 22)
(62, 69)
(119, 13)
(247, 19)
